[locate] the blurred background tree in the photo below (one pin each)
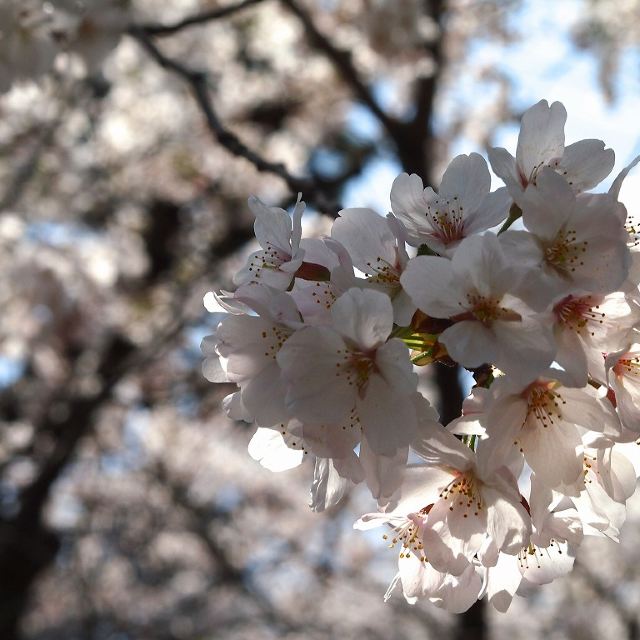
(129, 508)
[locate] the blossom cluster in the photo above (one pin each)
(34, 34)
(532, 287)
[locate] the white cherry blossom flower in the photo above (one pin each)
(584, 164)
(490, 325)
(315, 298)
(478, 511)
(555, 538)
(279, 235)
(609, 480)
(573, 243)
(586, 327)
(377, 248)
(544, 422)
(464, 505)
(417, 577)
(462, 207)
(247, 345)
(350, 367)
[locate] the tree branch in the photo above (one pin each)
(197, 81)
(343, 64)
(154, 29)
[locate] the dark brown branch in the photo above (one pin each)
(197, 19)
(197, 81)
(343, 63)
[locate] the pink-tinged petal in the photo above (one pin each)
(249, 344)
(212, 370)
(521, 248)
(492, 211)
(422, 487)
(318, 251)
(470, 343)
(443, 555)
(548, 563)
(258, 270)
(507, 521)
(308, 361)
(627, 404)
(614, 189)
(571, 357)
(503, 581)
(541, 136)
(328, 487)
(327, 440)
(364, 318)
(600, 515)
(585, 409)
(473, 411)
(586, 163)
(367, 237)
(349, 468)
(466, 178)
(269, 303)
(383, 474)
(388, 417)
(234, 409)
(403, 308)
(617, 474)
(272, 227)
(394, 365)
(503, 422)
(264, 397)
(269, 449)
(547, 206)
(438, 447)
(457, 594)
(525, 348)
(604, 266)
(418, 577)
(554, 453)
(480, 263)
(430, 283)
(541, 502)
(504, 166)
(409, 205)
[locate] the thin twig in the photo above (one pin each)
(197, 19)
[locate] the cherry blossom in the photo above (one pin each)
(573, 243)
(489, 323)
(550, 554)
(323, 336)
(247, 345)
(583, 164)
(365, 375)
(544, 422)
(279, 236)
(588, 326)
(463, 205)
(377, 249)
